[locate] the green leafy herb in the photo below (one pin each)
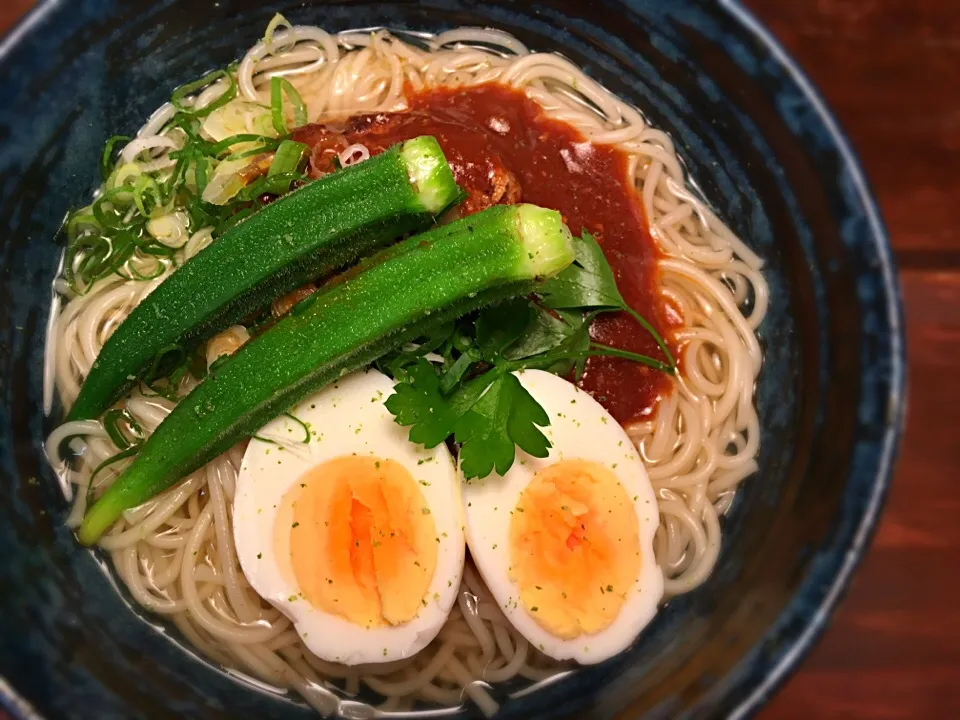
(456, 371)
(498, 327)
(506, 415)
(489, 416)
(396, 364)
(589, 284)
(549, 331)
(419, 402)
(470, 394)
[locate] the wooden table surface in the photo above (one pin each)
(890, 70)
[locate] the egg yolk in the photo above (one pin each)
(362, 542)
(574, 547)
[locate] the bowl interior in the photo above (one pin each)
(763, 154)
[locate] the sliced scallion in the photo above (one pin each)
(280, 86)
(184, 91)
(276, 21)
(106, 159)
(147, 196)
(285, 163)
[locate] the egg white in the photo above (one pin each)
(345, 418)
(580, 429)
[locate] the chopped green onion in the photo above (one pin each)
(122, 180)
(288, 157)
(111, 423)
(171, 364)
(278, 87)
(225, 183)
(217, 149)
(157, 272)
(110, 236)
(106, 159)
(189, 124)
(302, 424)
(80, 220)
(151, 246)
(201, 213)
(275, 185)
(231, 220)
(200, 165)
(259, 150)
(176, 179)
(147, 196)
(285, 164)
(105, 208)
(276, 21)
(181, 93)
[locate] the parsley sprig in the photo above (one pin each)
(458, 383)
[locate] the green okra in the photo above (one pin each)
(390, 300)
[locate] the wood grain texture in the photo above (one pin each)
(889, 69)
(11, 11)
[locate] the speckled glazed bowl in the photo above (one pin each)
(764, 151)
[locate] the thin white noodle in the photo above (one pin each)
(139, 145)
(248, 66)
(497, 40)
(50, 351)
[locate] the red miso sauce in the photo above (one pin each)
(503, 150)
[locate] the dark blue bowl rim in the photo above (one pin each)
(820, 596)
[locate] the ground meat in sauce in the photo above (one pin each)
(488, 184)
(503, 150)
(486, 179)
(326, 142)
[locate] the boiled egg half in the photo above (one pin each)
(565, 543)
(356, 534)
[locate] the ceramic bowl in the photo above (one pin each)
(766, 154)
